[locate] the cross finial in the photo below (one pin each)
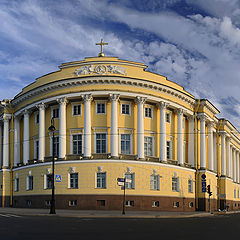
(101, 54)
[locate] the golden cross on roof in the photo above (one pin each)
(101, 54)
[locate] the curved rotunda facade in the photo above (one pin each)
(115, 119)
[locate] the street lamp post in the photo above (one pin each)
(52, 129)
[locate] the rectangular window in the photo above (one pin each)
(29, 203)
(234, 193)
(77, 144)
(169, 152)
(130, 180)
(101, 180)
(56, 147)
(126, 109)
(36, 118)
(191, 204)
(125, 143)
(29, 182)
(101, 143)
(175, 184)
(155, 203)
(129, 203)
(77, 109)
(154, 182)
(190, 185)
(101, 203)
(148, 112)
(168, 117)
(55, 113)
(47, 203)
(49, 181)
(73, 180)
(72, 203)
(148, 146)
(36, 149)
(16, 184)
(175, 204)
(101, 108)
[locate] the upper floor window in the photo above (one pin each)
(37, 118)
(148, 146)
(125, 109)
(101, 146)
(77, 144)
(101, 108)
(36, 149)
(55, 112)
(101, 180)
(125, 143)
(77, 109)
(169, 149)
(56, 147)
(148, 112)
(168, 117)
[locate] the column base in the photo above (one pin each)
(114, 157)
(87, 157)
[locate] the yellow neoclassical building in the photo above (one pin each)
(114, 119)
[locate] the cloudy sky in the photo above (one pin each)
(195, 43)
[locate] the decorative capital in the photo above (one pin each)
(41, 106)
(210, 124)
(179, 111)
(114, 97)
(190, 118)
(141, 100)
(163, 105)
(63, 100)
(87, 97)
(202, 117)
(6, 117)
(26, 112)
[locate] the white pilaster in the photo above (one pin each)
(25, 137)
(62, 127)
(6, 140)
(180, 136)
(16, 141)
(162, 137)
(234, 165)
(237, 166)
(191, 157)
(202, 141)
(210, 146)
(140, 127)
(228, 157)
(87, 125)
(231, 161)
(41, 135)
(223, 154)
(114, 124)
(1, 144)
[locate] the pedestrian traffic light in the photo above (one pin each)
(209, 190)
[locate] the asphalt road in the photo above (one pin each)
(14, 227)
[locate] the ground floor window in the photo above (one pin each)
(154, 182)
(175, 184)
(101, 203)
(101, 180)
(155, 203)
(49, 181)
(29, 182)
(175, 204)
(129, 203)
(72, 203)
(73, 180)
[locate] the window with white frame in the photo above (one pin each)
(55, 112)
(155, 203)
(73, 177)
(36, 117)
(29, 182)
(190, 185)
(49, 181)
(125, 143)
(168, 117)
(148, 146)
(101, 108)
(175, 184)
(76, 109)
(148, 112)
(101, 146)
(169, 149)
(36, 149)
(101, 180)
(234, 193)
(72, 203)
(125, 109)
(77, 144)
(16, 181)
(130, 180)
(154, 182)
(56, 146)
(129, 203)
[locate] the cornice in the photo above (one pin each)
(91, 80)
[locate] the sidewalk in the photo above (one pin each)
(108, 214)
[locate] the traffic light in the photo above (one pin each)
(209, 190)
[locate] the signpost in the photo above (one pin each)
(58, 178)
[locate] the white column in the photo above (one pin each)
(191, 157)
(5, 141)
(237, 166)
(210, 146)
(223, 154)
(87, 125)
(202, 142)
(234, 165)
(228, 157)
(62, 127)
(41, 134)
(180, 136)
(162, 137)
(16, 141)
(114, 125)
(231, 161)
(25, 137)
(1, 144)
(140, 127)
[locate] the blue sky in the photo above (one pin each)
(195, 43)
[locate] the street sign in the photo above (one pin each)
(58, 178)
(120, 183)
(120, 179)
